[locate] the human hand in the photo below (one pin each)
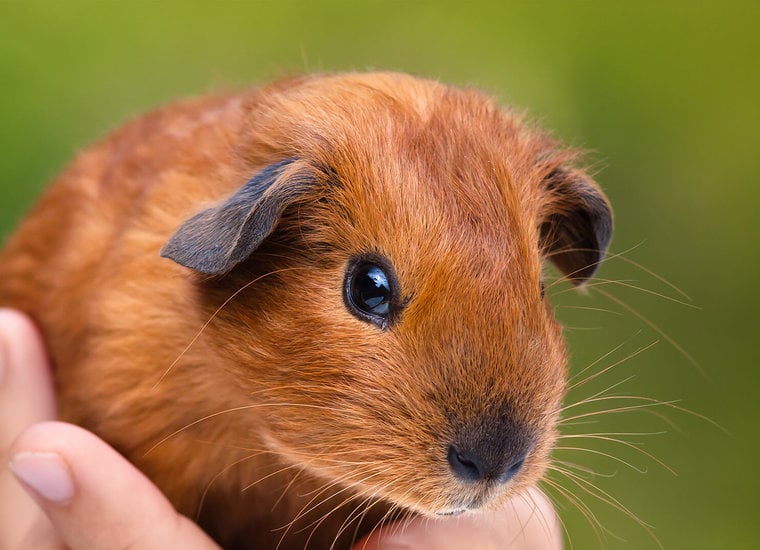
(83, 493)
(528, 522)
(77, 492)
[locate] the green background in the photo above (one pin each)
(664, 94)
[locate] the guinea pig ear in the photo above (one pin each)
(216, 240)
(576, 225)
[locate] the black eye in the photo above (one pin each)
(370, 292)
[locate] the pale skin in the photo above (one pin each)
(63, 487)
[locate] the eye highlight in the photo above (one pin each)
(371, 291)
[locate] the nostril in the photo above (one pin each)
(512, 470)
(470, 466)
(466, 466)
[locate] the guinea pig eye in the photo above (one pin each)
(370, 292)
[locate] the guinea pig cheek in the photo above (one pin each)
(383, 446)
(360, 421)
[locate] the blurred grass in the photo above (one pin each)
(666, 94)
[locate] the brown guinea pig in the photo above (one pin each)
(306, 308)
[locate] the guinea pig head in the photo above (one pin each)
(377, 287)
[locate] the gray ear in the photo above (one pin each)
(216, 240)
(577, 227)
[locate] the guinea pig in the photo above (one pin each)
(308, 308)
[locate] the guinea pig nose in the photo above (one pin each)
(468, 465)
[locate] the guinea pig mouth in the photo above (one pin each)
(472, 503)
(457, 512)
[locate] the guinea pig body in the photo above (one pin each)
(353, 324)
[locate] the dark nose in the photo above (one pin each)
(471, 465)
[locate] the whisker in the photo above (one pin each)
(217, 476)
(231, 410)
(592, 285)
(603, 530)
(649, 401)
(288, 487)
(580, 423)
(563, 436)
(309, 507)
(651, 292)
(213, 316)
(569, 328)
(585, 469)
(570, 275)
(562, 523)
(613, 365)
(605, 497)
(658, 330)
(598, 397)
(616, 410)
(587, 308)
(194, 423)
(601, 393)
(579, 505)
(655, 275)
(603, 357)
(269, 476)
(601, 453)
(403, 522)
(529, 500)
(362, 508)
(625, 444)
(590, 488)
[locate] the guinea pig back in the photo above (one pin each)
(306, 308)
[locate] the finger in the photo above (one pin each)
(26, 397)
(527, 522)
(93, 496)
(25, 381)
(41, 536)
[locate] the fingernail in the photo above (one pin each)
(46, 474)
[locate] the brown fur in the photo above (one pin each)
(284, 388)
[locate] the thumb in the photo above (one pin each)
(527, 522)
